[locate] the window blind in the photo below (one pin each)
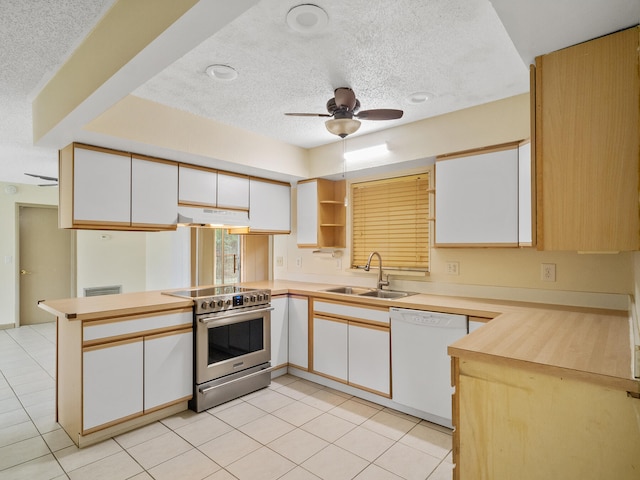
(390, 216)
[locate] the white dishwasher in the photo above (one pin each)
(421, 367)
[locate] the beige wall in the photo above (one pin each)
(9, 253)
(595, 280)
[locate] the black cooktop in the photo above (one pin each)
(200, 292)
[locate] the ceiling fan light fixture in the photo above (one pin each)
(221, 72)
(307, 19)
(342, 126)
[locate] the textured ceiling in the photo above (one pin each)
(461, 51)
(458, 50)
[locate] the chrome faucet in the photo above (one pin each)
(367, 267)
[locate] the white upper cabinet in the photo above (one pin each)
(233, 191)
(100, 182)
(308, 213)
(477, 198)
(197, 186)
(154, 193)
(269, 207)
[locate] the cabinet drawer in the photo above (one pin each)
(352, 312)
(100, 330)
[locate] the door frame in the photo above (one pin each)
(72, 263)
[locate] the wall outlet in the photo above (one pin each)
(453, 268)
(548, 272)
(298, 262)
(279, 261)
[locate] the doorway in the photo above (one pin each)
(45, 253)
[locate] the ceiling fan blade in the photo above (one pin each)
(345, 98)
(379, 114)
(308, 114)
(43, 177)
(48, 185)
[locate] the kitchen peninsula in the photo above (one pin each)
(540, 389)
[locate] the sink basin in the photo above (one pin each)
(386, 294)
(350, 290)
(369, 292)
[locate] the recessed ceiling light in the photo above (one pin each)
(221, 72)
(307, 18)
(419, 97)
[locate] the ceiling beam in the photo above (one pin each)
(134, 41)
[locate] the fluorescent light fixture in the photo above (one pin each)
(366, 153)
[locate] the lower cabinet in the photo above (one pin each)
(129, 368)
(112, 383)
(298, 332)
(330, 347)
(352, 344)
(280, 331)
(168, 368)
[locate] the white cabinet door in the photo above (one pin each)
(477, 199)
(280, 331)
(330, 349)
(370, 358)
(197, 186)
(299, 332)
(154, 192)
(307, 214)
(233, 191)
(112, 382)
(168, 368)
(101, 186)
(269, 207)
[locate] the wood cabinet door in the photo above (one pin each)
(279, 331)
(330, 348)
(197, 186)
(112, 383)
(269, 207)
(101, 186)
(299, 332)
(307, 214)
(588, 145)
(168, 368)
(154, 193)
(370, 358)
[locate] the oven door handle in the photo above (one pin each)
(230, 315)
(254, 374)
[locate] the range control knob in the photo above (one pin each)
(204, 305)
(246, 299)
(220, 303)
(227, 302)
(253, 298)
(260, 297)
(212, 304)
(266, 297)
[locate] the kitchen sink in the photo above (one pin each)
(369, 292)
(350, 290)
(386, 294)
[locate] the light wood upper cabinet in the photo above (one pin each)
(197, 186)
(477, 198)
(233, 191)
(587, 140)
(154, 193)
(321, 214)
(269, 207)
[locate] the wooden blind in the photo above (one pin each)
(390, 216)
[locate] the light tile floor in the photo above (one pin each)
(292, 430)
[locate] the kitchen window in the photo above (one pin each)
(391, 216)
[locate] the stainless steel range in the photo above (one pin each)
(232, 342)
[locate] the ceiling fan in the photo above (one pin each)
(45, 178)
(345, 109)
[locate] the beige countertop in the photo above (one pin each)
(584, 343)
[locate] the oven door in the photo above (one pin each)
(230, 342)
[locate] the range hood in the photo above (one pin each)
(212, 217)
